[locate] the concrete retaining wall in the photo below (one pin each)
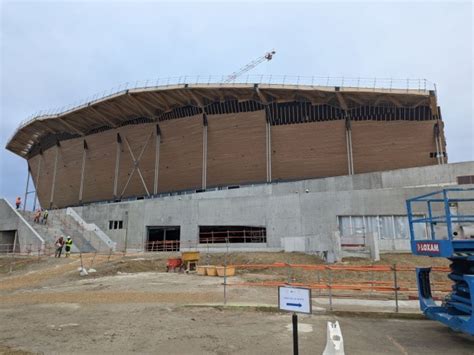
(10, 221)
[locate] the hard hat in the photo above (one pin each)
(68, 237)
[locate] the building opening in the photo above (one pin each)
(163, 238)
(232, 234)
(7, 239)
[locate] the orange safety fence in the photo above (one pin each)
(323, 267)
(336, 284)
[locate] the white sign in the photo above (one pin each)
(294, 299)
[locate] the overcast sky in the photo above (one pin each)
(55, 53)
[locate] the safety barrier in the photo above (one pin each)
(233, 236)
(330, 281)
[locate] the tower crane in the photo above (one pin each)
(267, 57)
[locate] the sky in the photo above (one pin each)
(54, 53)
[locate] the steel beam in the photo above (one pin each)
(27, 185)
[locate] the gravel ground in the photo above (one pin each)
(74, 328)
(46, 307)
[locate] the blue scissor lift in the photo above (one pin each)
(446, 215)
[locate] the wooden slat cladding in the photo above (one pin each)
(139, 137)
(100, 165)
(180, 154)
(68, 174)
(236, 154)
(309, 150)
(381, 145)
(43, 188)
(236, 148)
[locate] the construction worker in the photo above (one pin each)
(18, 202)
(59, 247)
(37, 216)
(45, 217)
(68, 246)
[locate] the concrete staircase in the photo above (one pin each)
(60, 224)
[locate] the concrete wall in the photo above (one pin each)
(304, 209)
(10, 221)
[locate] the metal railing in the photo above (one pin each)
(385, 84)
(233, 236)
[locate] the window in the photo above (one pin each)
(353, 229)
(468, 179)
(115, 224)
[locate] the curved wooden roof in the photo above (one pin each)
(153, 102)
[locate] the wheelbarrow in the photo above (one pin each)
(174, 263)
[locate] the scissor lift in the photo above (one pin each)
(449, 219)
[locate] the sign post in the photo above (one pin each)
(296, 300)
(294, 319)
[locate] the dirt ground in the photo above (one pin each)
(74, 328)
(132, 305)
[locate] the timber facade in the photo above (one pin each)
(141, 143)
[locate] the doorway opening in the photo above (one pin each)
(163, 238)
(7, 240)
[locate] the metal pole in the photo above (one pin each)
(13, 251)
(430, 214)
(289, 269)
(395, 285)
(330, 289)
(26, 190)
(37, 180)
(225, 268)
(126, 232)
(294, 319)
(319, 283)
